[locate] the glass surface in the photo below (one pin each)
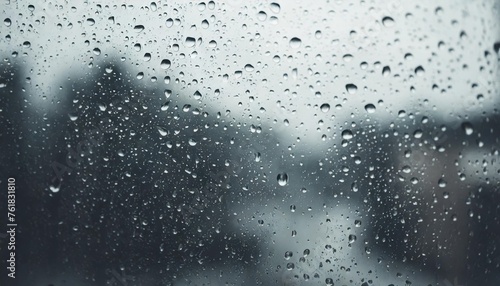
(250, 142)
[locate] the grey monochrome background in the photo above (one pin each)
(252, 142)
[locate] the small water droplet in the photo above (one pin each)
(275, 7)
(165, 64)
(351, 88)
(55, 188)
(388, 21)
(163, 131)
(190, 42)
(352, 238)
(441, 183)
(354, 187)
(169, 22)
(26, 44)
(325, 107)
(419, 71)
(370, 108)
(347, 134)
(288, 255)
(90, 21)
(7, 22)
(197, 95)
(261, 16)
(386, 71)
(295, 43)
(467, 127)
(138, 28)
(282, 179)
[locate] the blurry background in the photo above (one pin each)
(252, 143)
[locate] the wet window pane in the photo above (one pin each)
(250, 142)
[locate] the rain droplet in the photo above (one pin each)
(386, 71)
(282, 179)
(467, 127)
(165, 106)
(212, 44)
(190, 42)
(139, 28)
(197, 95)
(351, 88)
(275, 7)
(370, 108)
(169, 22)
(388, 21)
(288, 255)
(26, 44)
(354, 187)
(90, 21)
(163, 131)
(165, 64)
(295, 43)
(347, 134)
(262, 16)
(325, 107)
(7, 22)
(352, 238)
(152, 6)
(147, 57)
(249, 68)
(441, 183)
(419, 71)
(55, 189)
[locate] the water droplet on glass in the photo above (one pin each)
(261, 16)
(419, 71)
(139, 28)
(386, 71)
(197, 95)
(288, 255)
(325, 107)
(163, 131)
(295, 43)
(7, 22)
(165, 64)
(467, 127)
(212, 44)
(370, 108)
(26, 44)
(441, 183)
(388, 21)
(169, 22)
(190, 42)
(351, 88)
(249, 68)
(352, 238)
(275, 7)
(54, 188)
(90, 21)
(282, 179)
(347, 134)
(354, 187)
